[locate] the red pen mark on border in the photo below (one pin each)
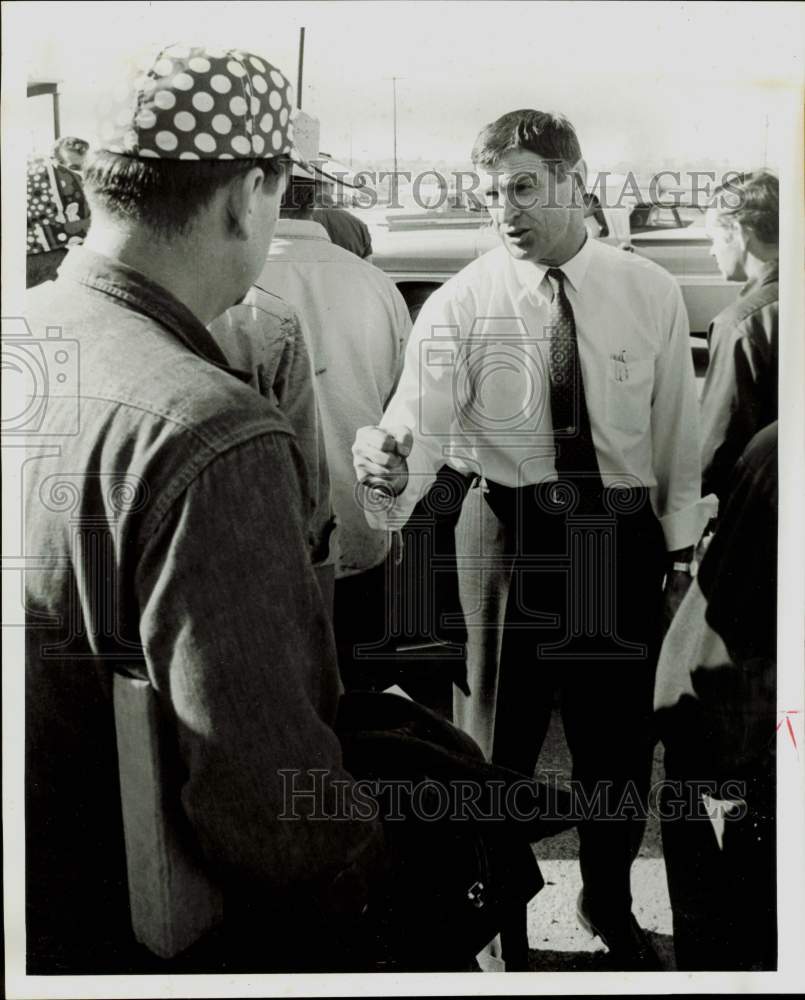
(787, 720)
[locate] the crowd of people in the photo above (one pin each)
(256, 420)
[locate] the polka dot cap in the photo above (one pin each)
(204, 104)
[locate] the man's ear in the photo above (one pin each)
(580, 169)
(242, 199)
(745, 238)
(579, 173)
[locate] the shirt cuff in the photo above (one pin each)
(686, 526)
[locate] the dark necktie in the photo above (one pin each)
(575, 453)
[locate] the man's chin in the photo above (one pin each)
(517, 250)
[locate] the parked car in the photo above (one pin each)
(419, 255)
(647, 217)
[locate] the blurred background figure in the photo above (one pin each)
(343, 228)
(358, 324)
(740, 389)
(58, 217)
(263, 335)
(715, 699)
(71, 152)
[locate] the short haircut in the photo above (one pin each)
(550, 136)
(71, 142)
(163, 194)
(753, 200)
(299, 197)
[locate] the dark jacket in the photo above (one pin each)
(740, 391)
(165, 524)
(345, 229)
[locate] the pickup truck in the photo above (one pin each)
(420, 251)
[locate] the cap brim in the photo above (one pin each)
(313, 171)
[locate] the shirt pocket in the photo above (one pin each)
(629, 389)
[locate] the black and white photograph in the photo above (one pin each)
(403, 449)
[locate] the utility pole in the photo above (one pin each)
(394, 88)
(301, 64)
(394, 80)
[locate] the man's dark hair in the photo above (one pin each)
(71, 142)
(166, 195)
(550, 136)
(752, 199)
(299, 198)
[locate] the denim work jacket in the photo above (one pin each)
(166, 511)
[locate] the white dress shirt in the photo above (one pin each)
(357, 324)
(475, 388)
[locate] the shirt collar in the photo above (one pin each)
(139, 293)
(532, 275)
(301, 229)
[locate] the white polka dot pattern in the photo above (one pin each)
(165, 99)
(203, 103)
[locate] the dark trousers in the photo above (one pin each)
(723, 895)
(359, 624)
(562, 594)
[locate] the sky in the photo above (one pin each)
(652, 84)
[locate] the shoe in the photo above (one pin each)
(628, 945)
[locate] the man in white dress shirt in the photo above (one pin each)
(555, 372)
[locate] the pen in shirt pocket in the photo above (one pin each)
(620, 365)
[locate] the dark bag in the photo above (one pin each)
(455, 875)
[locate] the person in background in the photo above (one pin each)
(739, 396)
(172, 522)
(555, 374)
(71, 152)
(343, 228)
(57, 217)
(263, 335)
(358, 324)
(716, 710)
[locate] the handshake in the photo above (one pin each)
(379, 457)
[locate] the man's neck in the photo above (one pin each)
(757, 262)
(567, 251)
(180, 266)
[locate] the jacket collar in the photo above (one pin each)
(769, 273)
(119, 281)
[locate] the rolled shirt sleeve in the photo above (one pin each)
(682, 511)
(239, 647)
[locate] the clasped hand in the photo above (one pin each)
(379, 457)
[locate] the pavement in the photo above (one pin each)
(556, 942)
